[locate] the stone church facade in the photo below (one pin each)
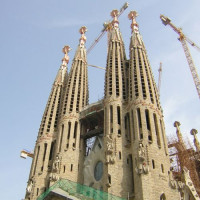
(129, 157)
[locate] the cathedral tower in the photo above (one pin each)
(151, 164)
(74, 99)
(43, 153)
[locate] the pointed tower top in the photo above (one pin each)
(196, 142)
(132, 16)
(65, 50)
(115, 21)
(82, 31)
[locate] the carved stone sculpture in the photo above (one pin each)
(142, 166)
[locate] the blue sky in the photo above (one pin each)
(33, 34)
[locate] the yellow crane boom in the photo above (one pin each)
(183, 39)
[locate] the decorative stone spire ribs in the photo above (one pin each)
(115, 70)
(50, 117)
(141, 81)
(76, 93)
(196, 142)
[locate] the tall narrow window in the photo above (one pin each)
(118, 115)
(153, 164)
(148, 125)
(75, 129)
(163, 137)
(133, 124)
(51, 150)
(69, 129)
(111, 114)
(45, 150)
(139, 123)
(109, 178)
(61, 137)
(71, 167)
(156, 129)
(162, 168)
(38, 151)
(120, 156)
(37, 193)
(131, 173)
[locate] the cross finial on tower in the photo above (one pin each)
(132, 16)
(196, 142)
(82, 31)
(66, 50)
(115, 21)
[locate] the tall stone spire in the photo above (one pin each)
(141, 85)
(43, 153)
(148, 140)
(76, 95)
(75, 98)
(115, 71)
(115, 95)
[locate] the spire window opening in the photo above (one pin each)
(153, 164)
(111, 114)
(142, 77)
(38, 151)
(51, 150)
(118, 115)
(163, 136)
(45, 150)
(120, 156)
(127, 127)
(156, 130)
(75, 129)
(109, 178)
(148, 125)
(116, 73)
(148, 79)
(124, 79)
(135, 75)
(162, 168)
(132, 116)
(69, 129)
(71, 169)
(61, 137)
(139, 123)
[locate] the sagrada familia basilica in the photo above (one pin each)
(129, 157)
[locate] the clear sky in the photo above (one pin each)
(32, 36)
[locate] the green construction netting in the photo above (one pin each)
(82, 192)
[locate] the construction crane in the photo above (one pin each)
(25, 153)
(183, 39)
(96, 67)
(159, 78)
(106, 27)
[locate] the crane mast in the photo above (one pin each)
(183, 39)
